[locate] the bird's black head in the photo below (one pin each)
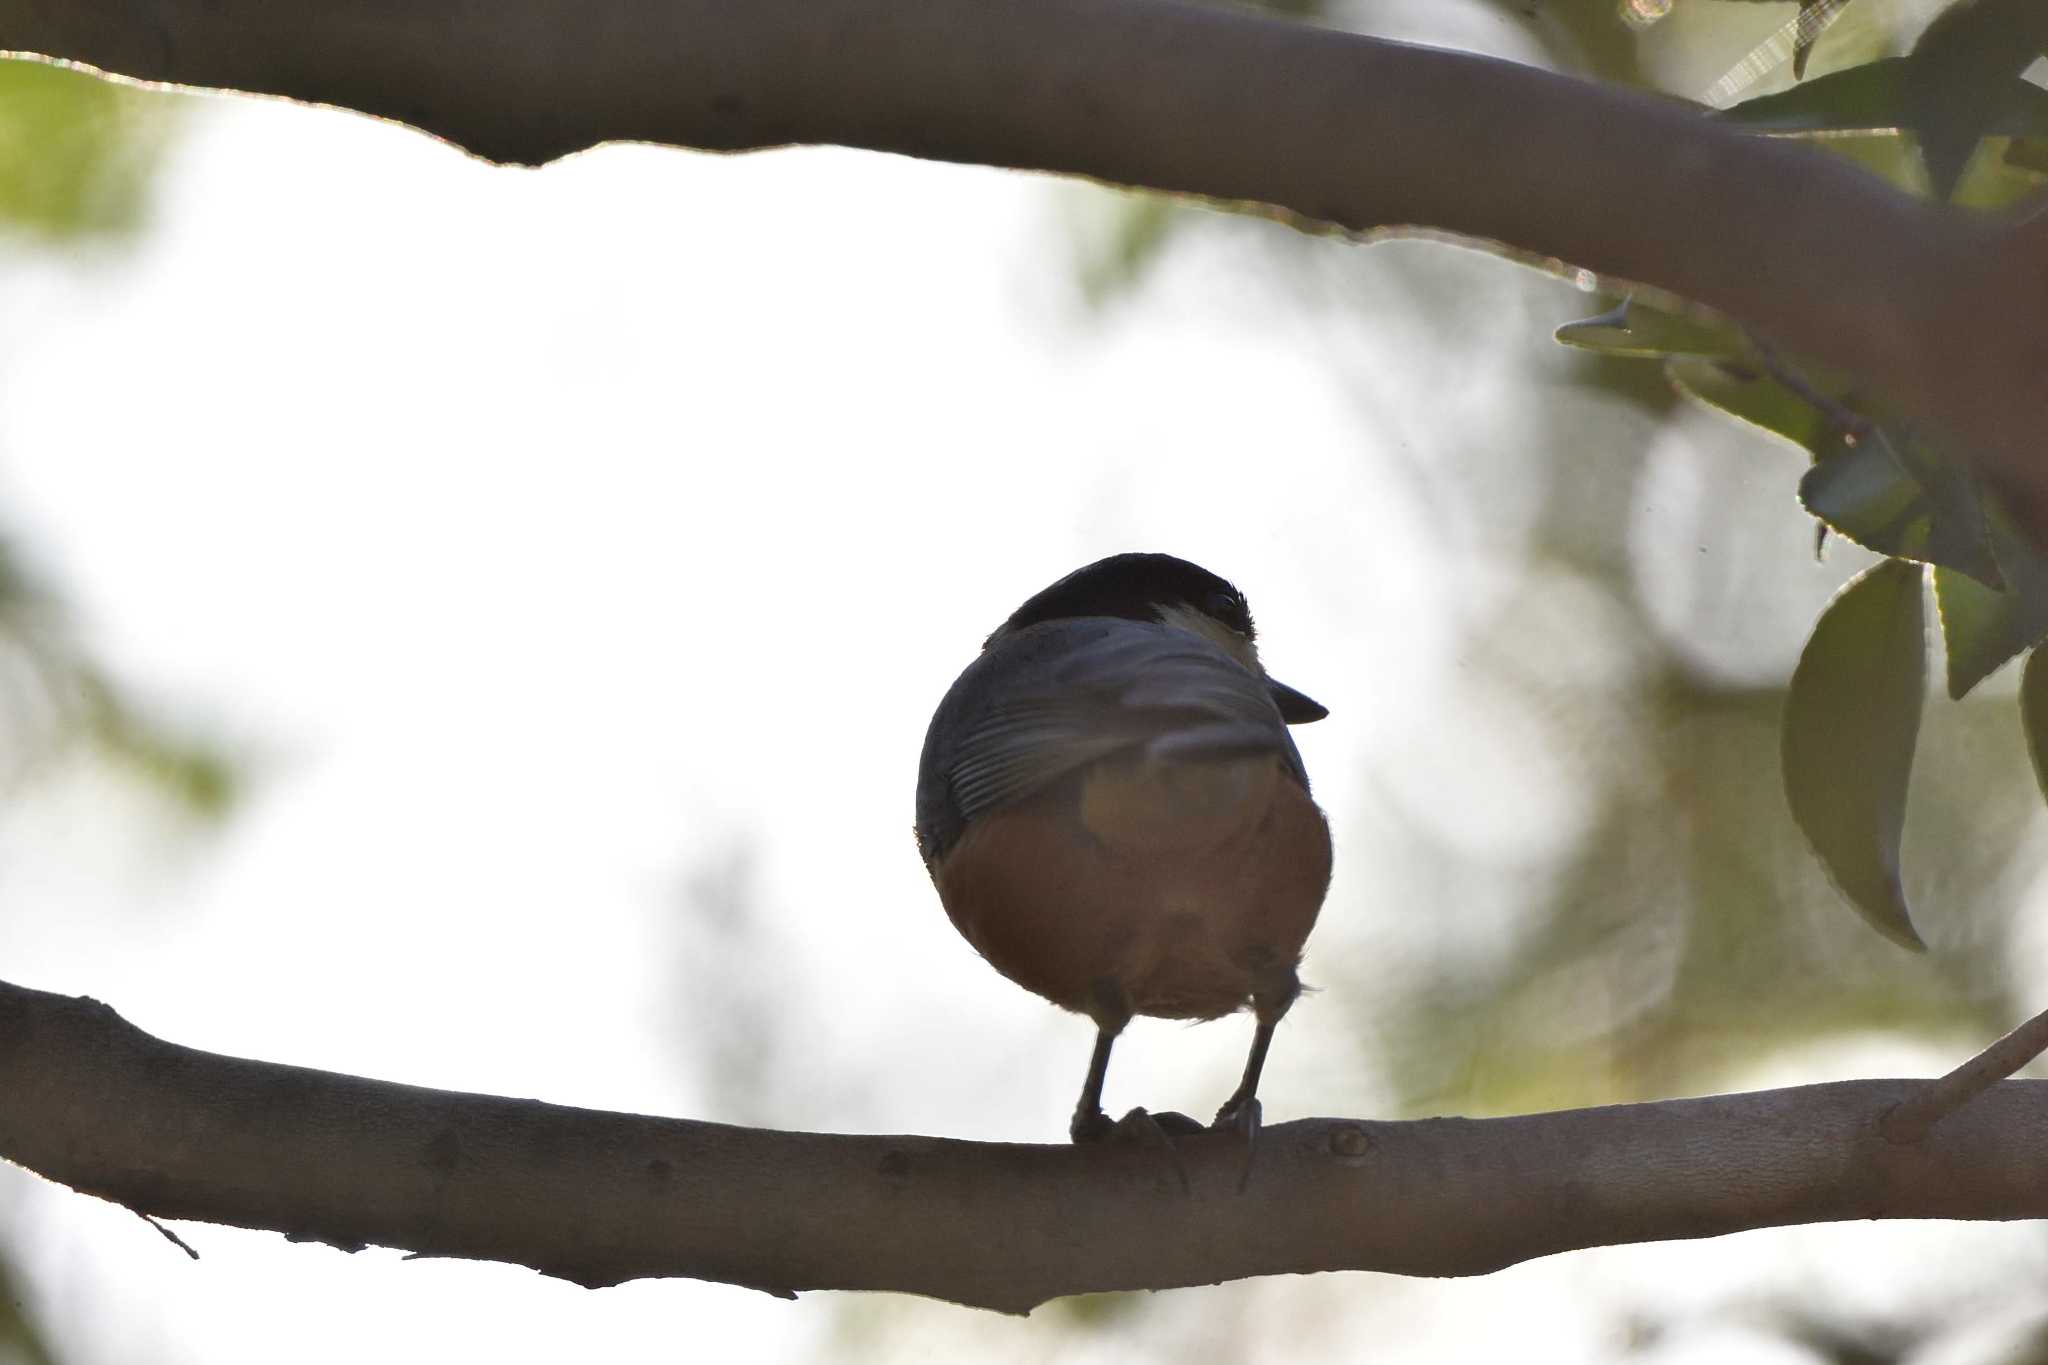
(1136, 587)
(1165, 590)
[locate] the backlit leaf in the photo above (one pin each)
(1876, 492)
(1980, 629)
(1960, 86)
(1747, 393)
(1814, 16)
(2034, 715)
(1852, 718)
(1642, 330)
(1963, 81)
(1862, 98)
(2028, 154)
(1983, 627)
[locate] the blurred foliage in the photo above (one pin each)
(53, 695)
(77, 153)
(1824, 1337)
(20, 1341)
(1688, 935)
(78, 156)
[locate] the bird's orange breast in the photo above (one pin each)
(1189, 885)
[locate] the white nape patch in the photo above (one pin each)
(1184, 617)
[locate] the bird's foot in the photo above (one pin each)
(1167, 1121)
(1140, 1127)
(1090, 1126)
(1243, 1116)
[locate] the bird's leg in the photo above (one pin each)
(1110, 1008)
(1242, 1110)
(1090, 1123)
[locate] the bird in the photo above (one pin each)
(1115, 816)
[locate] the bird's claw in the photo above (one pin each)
(1243, 1117)
(1090, 1126)
(1142, 1128)
(1171, 1123)
(1153, 1131)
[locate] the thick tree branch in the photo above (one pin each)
(1947, 312)
(593, 1197)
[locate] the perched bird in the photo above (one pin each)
(1116, 817)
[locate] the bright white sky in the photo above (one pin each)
(541, 538)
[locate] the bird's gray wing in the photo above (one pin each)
(1050, 701)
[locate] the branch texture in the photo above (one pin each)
(1948, 312)
(597, 1198)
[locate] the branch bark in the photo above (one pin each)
(1911, 1121)
(1947, 311)
(596, 1198)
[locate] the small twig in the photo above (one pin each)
(1911, 1119)
(1850, 424)
(173, 1238)
(1843, 418)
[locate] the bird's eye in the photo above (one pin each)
(1224, 606)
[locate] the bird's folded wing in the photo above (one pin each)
(1076, 693)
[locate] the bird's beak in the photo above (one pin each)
(1295, 708)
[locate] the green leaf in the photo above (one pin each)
(2028, 154)
(2021, 562)
(2000, 175)
(1866, 98)
(1960, 85)
(1895, 495)
(1982, 627)
(1645, 331)
(1878, 97)
(2003, 35)
(1963, 81)
(1891, 158)
(1861, 492)
(1979, 629)
(1747, 393)
(1852, 718)
(1814, 17)
(1860, 485)
(2034, 715)
(1957, 535)
(2024, 113)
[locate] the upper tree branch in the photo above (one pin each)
(93, 1102)
(1948, 313)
